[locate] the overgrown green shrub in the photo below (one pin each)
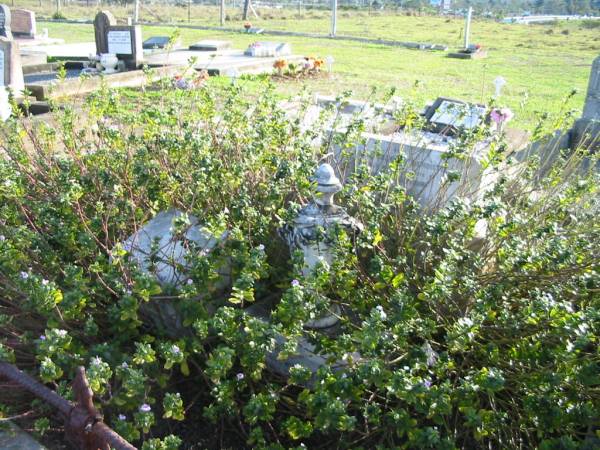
(461, 348)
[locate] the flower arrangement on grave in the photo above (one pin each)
(247, 25)
(280, 65)
(193, 82)
(501, 116)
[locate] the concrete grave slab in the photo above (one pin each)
(209, 45)
(47, 88)
(217, 64)
(156, 42)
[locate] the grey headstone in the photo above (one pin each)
(23, 23)
(586, 131)
(156, 42)
(11, 70)
(167, 261)
(126, 42)
(5, 21)
(591, 110)
(209, 45)
(102, 22)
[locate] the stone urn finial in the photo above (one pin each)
(314, 230)
(327, 184)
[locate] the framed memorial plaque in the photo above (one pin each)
(120, 42)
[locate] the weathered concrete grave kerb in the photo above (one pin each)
(23, 23)
(162, 248)
(102, 22)
(5, 21)
(125, 41)
(586, 131)
(11, 71)
(427, 174)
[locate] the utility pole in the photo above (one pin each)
(136, 12)
(333, 17)
(468, 26)
(246, 8)
(222, 17)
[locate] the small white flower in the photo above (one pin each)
(240, 376)
(2, 238)
(261, 247)
(175, 349)
(45, 282)
(124, 365)
(96, 361)
(61, 333)
(189, 281)
(122, 417)
(145, 408)
(24, 275)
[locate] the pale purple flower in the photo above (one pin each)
(189, 281)
(42, 338)
(2, 237)
(145, 408)
(124, 365)
(175, 349)
(122, 417)
(24, 275)
(426, 384)
(45, 282)
(295, 283)
(240, 376)
(501, 115)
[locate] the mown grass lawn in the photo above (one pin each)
(542, 63)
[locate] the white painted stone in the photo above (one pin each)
(172, 251)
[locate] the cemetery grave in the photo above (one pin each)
(237, 271)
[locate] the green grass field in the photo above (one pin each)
(542, 63)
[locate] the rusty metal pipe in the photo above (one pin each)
(83, 423)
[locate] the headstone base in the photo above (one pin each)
(586, 133)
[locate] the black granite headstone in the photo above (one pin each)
(156, 42)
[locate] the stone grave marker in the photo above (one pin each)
(11, 71)
(209, 45)
(156, 42)
(23, 23)
(102, 22)
(268, 48)
(587, 129)
(126, 42)
(5, 21)
(447, 116)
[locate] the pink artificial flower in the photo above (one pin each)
(501, 115)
